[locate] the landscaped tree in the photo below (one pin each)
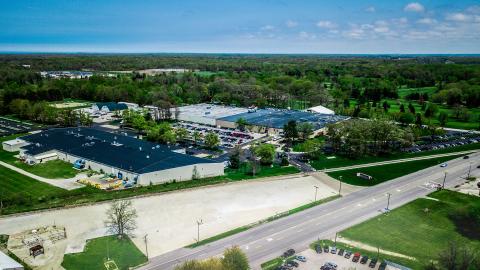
(235, 158)
(411, 109)
(212, 140)
(312, 148)
(181, 134)
(266, 153)
(235, 259)
(290, 130)
(197, 136)
(121, 218)
(442, 118)
(241, 123)
(305, 129)
(168, 137)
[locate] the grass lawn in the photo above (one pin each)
(299, 147)
(403, 92)
(387, 172)
(20, 193)
(122, 251)
(415, 232)
(264, 171)
(324, 163)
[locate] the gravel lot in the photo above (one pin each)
(170, 219)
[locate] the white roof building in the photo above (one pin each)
(7, 263)
(320, 109)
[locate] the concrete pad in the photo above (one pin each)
(170, 219)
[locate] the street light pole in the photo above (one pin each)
(388, 201)
(146, 244)
(340, 188)
(316, 190)
(444, 179)
(199, 222)
(469, 170)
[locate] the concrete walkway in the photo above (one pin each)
(68, 184)
(396, 161)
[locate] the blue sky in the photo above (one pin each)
(257, 26)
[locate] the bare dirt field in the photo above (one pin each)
(170, 219)
(70, 105)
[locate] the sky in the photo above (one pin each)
(241, 26)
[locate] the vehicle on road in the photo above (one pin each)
(466, 157)
(333, 250)
(301, 258)
(443, 165)
(364, 259)
(289, 253)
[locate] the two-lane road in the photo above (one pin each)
(297, 231)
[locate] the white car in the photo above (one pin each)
(443, 165)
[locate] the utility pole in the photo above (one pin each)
(316, 190)
(199, 222)
(340, 188)
(146, 244)
(388, 201)
(469, 170)
(336, 234)
(444, 179)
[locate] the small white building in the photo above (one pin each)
(7, 263)
(13, 145)
(320, 109)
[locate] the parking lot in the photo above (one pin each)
(315, 261)
(9, 127)
(450, 139)
(229, 138)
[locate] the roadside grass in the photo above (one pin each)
(20, 193)
(122, 251)
(269, 219)
(323, 162)
(264, 171)
(387, 172)
(275, 263)
(371, 254)
(420, 229)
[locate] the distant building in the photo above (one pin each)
(7, 263)
(132, 160)
(107, 107)
(320, 109)
(130, 106)
(13, 145)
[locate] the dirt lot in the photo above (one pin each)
(221, 208)
(314, 261)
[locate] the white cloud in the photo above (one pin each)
(427, 21)
(306, 35)
(459, 17)
(474, 9)
(370, 9)
(414, 7)
(291, 24)
(326, 24)
(267, 28)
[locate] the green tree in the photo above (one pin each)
(442, 118)
(211, 140)
(235, 259)
(411, 109)
(197, 136)
(290, 130)
(305, 129)
(266, 153)
(181, 134)
(235, 158)
(312, 148)
(168, 137)
(241, 123)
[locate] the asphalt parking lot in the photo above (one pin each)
(9, 127)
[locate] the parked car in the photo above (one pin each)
(356, 257)
(373, 263)
(341, 252)
(289, 253)
(348, 254)
(293, 263)
(466, 157)
(333, 250)
(326, 249)
(318, 248)
(364, 259)
(443, 165)
(301, 258)
(382, 266)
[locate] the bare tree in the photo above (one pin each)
(121, 218)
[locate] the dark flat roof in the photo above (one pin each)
(119, 151)
(277, 118)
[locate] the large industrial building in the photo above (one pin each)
(268, 120)
(127, 158)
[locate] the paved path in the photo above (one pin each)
(396, 161)
(68, 184)
(297, 231)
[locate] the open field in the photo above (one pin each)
(324, 162)
(403, 92)
(71, 104)
(420, 229)
(221, 208)
(122, 251)
(387, 172)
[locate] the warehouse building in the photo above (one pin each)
(206, 114)
(128, 158)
